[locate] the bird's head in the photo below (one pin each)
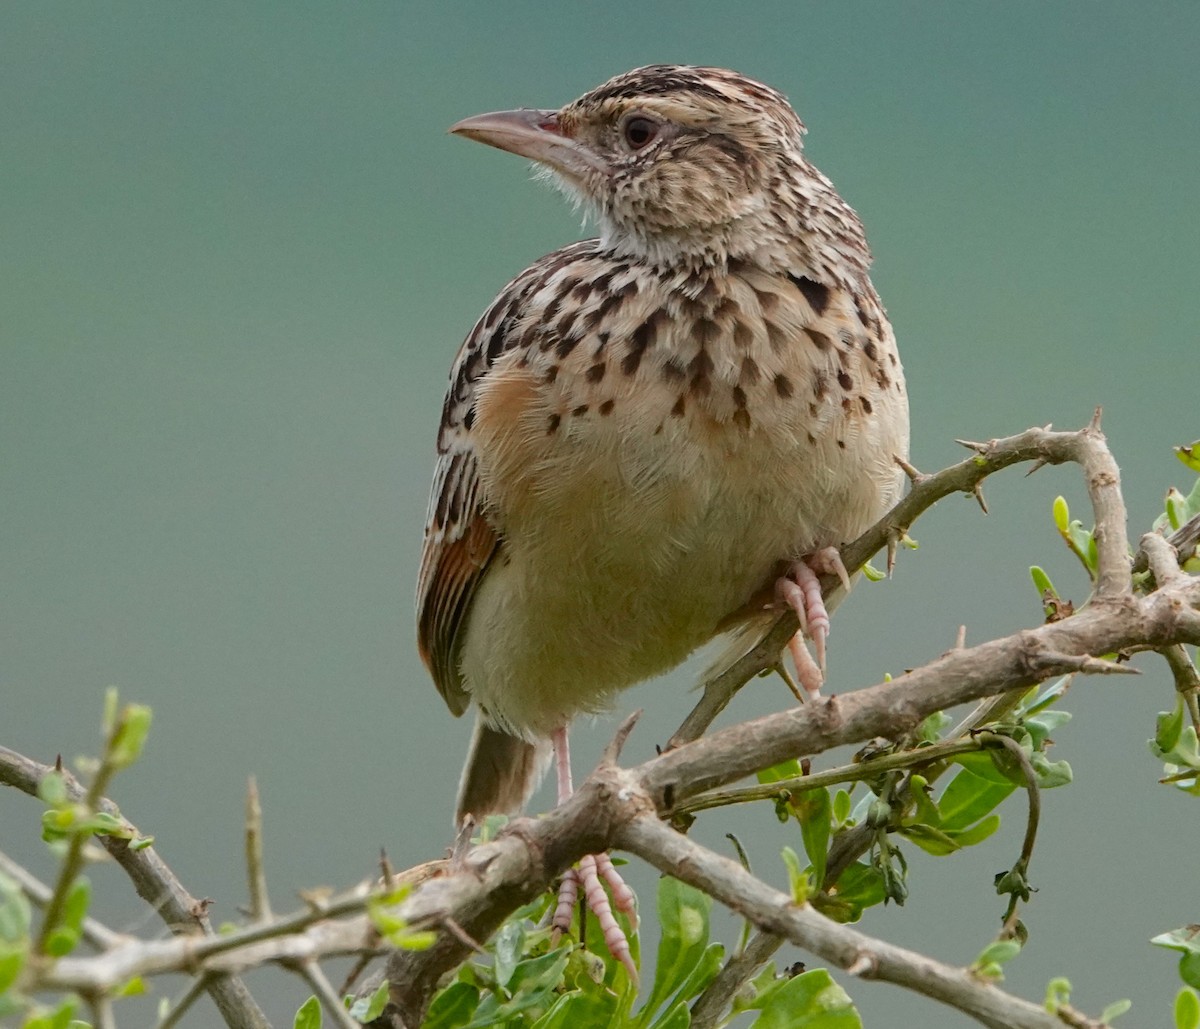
(679, 165)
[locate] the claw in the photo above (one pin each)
(591, 869)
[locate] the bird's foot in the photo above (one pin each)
(591, 870)
(800, 589)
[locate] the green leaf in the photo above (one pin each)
(1062, 514)
(814, 810)
(973, 793)
(704, 973)
(979, 832)
(797, 877)
(575, 1009)
(1041, 582)
(61, 941)
(1187, 1010)
(130, 737)
(533, 985)
(1058, 993)
(15, 913)
(508, 946)
(683, 915)
(789, 769)
(1189, 455)
(993, 957)
(932, 841)
(367, 1009)
(52, 790)
(453, 1007)
(808, 1001)
(841, 807)
(1169, 728)
(12, 960)
(309, 1015)
(677, 1017)
(1115, 1010)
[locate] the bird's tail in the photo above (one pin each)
(501, 772)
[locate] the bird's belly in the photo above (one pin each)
(670, 531)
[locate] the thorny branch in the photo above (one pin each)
(476, 891)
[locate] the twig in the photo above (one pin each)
(319, 983)
(260, 904)
(712, 1004)
(846, 948)
(856, 772)
(95, 933)
(1085, 447)
(153, 880)
(189, 997)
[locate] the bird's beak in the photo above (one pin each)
(533, 134)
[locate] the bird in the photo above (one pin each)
(656, 436)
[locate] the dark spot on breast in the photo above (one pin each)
(816, 293)
(743, 335)
(739, 397)
(820, 340)
(767, 300)
(811, 438)
(469, 418)
(846, 405)
(552, 424)
(495, 344)
(741, 418)
(881, 377)
(581, 292)
(892, 360)
(706, 331)
(601, 281)
(639, 342)
(842, 443)
(601, 342)
(565, 345)
(606, 407)
(701, 364)
(845, 381)
(783, 386)
(628, 289)
(700, 385)
(551, 374)
(596, 372)
(551, 309)
(869, 349)
(866, 404)
(749, 370)
(581, 409)
(673, 370)
(679, 407)
(820, 385)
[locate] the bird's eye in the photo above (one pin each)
(639, 132)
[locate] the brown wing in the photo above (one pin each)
(461, 538)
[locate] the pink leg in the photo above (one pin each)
(592, 868)
(800, 589)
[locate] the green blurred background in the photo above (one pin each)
(239, 253)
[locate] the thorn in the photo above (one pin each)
(893, 542)
(978, 493)
(613, 751)
(960, 641)
(461, 934)
(1037, 465)
(914, 474)
(862, 964)
(386, 871)
(786, 676)
(1094, 424)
